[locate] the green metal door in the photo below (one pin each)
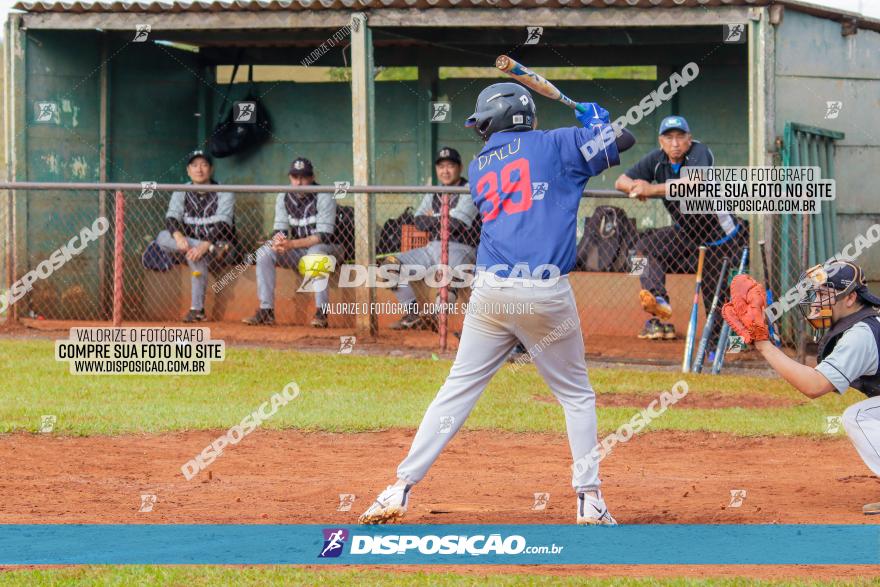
(804, 240)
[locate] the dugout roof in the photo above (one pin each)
(295, 6)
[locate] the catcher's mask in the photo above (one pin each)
(823, 285)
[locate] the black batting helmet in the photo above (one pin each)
(505, 106)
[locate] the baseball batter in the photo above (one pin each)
(837, 300)
(527, 185)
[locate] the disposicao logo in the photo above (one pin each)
(334, 540)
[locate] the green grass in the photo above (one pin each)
(221, 575)
(345, 393)
(349, 393)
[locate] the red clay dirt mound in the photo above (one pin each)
(483, 477)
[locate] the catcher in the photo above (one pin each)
(836, 300)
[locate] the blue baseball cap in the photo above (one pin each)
(674, 123)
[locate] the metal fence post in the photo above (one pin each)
(805, 260)
(444, 263)
(118, 255)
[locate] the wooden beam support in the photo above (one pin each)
(762, 135)
(104, 293)
(427, 88)
(363, 148)
(671, 55)
(17, 117)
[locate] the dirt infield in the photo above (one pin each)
(489, 477)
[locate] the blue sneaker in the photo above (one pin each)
(653, 330)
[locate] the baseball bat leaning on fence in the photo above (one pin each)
(774, 337)
(725, 329)
(695, 310)
(710, 321)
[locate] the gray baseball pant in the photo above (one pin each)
(428, 256)
(267, 259)
(551, 332)
(199, 283)
(862, 424)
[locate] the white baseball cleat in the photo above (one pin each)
(388, 507)
(592, 510)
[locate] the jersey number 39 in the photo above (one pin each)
(488, 188)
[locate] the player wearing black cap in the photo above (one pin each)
(304, 225)
(200, 226)
(463, 236)
(835, 300)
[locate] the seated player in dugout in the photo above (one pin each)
(200, 226)
(464, 235)
(674, 249)
(304, 225)
(837, 301)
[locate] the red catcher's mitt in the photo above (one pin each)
(745, 310)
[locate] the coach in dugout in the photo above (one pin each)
(463, 236)
(304, 225)
(199, 225)
(675, 248)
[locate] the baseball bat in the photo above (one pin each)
(622, 137)
(534, 81)
(710, 321)
(774, 337)
(692, 324)
(725, 329)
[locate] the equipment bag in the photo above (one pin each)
(389, 238)
(608, 236)
(233, 136)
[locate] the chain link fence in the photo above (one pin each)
(624, 246)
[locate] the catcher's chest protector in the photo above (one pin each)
(867, 384)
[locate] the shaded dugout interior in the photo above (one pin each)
(135, 119)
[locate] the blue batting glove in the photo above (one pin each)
(594, 114)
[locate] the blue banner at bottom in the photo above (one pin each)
(439, 544)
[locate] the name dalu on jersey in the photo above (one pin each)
(500, 153)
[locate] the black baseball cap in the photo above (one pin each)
(447, 154)
(844, 275)
(199, 153)
(301, 167)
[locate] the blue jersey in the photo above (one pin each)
(528, 186)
